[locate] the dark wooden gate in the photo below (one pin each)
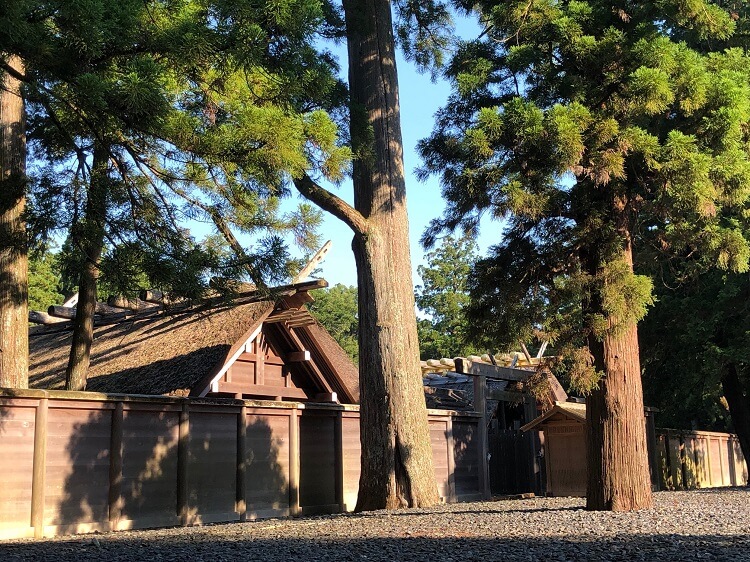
(515, 467)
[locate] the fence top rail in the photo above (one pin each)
(693, 432)
(70, 395)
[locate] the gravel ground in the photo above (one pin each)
(696, 525)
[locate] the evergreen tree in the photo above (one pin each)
(181, 103)
(694, 348)
(444, 297)
(586, 123)
(336, 309)
(44, 280)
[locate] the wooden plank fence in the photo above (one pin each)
(699, 459)
(82, 462)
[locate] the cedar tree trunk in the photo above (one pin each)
(396, 452)
(91, 241)
(617, 456)
(397, 465)
(738, 399)
(14, 315)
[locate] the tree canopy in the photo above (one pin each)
(585, 124)
(336, 309)
(443, 298)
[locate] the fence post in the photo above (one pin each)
(115, 466)
(294, 452)
(183, 456)
(651, 449)
(451, 460)
(39, 470)
(480, 405)
(241, 499)
(338, 451)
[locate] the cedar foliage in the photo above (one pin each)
(585, 124)
(336, 309)
(443, 297)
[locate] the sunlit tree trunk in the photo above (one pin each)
(397, 465)
(617, 457)
(14, 316)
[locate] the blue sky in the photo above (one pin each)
(420, 98)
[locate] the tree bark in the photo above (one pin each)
(91, 241)
(617, 455)
(397, 467)
(14, 331)
(738, 399)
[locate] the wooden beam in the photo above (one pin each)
(526, 353)
(480, 406)
(298, 356)
(115, 466)
(262, 390)
(505, 396)
(294, 468)
(313, 263)
(297, 300)
(39, 468)
(241, 486)
(39, 317)
(67, 312)
(492, 371)
(183, 457)
(153, 295)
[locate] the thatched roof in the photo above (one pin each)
(569, 411)
(166, 354)
(181, 352)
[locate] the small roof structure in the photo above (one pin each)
(561, 411)
(258, 345)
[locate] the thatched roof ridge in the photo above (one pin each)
(166, 354)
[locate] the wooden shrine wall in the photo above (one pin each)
(80, 462)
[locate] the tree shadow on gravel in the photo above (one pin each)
(203, 544)
(458, 511)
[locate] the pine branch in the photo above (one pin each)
(331, 203)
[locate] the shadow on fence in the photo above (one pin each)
(689, 460)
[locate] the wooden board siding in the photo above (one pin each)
(352, 450)
(566, 458)
(438, 434)
(119, 462)
(77, 479)
(149, 465)
(466, 455)
(267, 465)
(317, 463)
(212, 466)
(261, 372)
(17, 426)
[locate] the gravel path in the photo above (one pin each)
(697, 525)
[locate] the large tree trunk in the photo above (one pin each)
(14, 316)
(738, 399)
(90, 239)
(617, 456)
(397, 465)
